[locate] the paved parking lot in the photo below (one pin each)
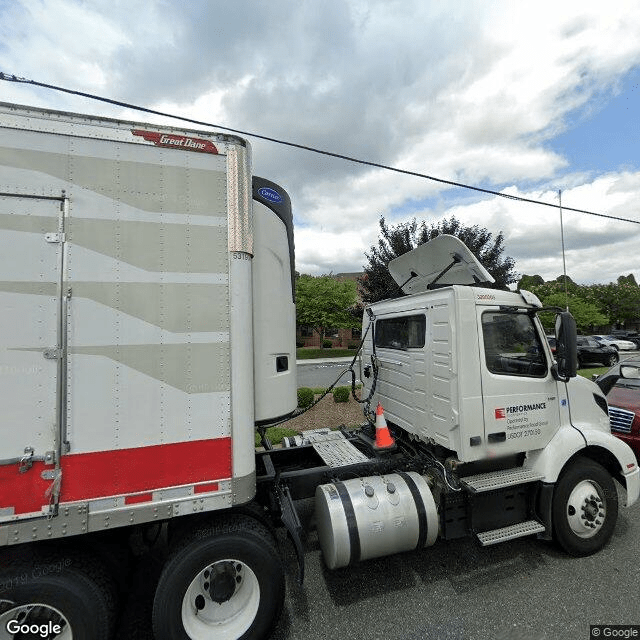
(520, 590)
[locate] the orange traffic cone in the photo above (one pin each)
(384, 440)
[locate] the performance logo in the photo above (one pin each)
(502, 413)
(170, 140)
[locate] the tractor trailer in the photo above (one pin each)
(147, 330)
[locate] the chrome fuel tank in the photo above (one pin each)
(375, 516)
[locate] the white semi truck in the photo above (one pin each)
(147, 328)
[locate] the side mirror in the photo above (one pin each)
(606, 381)
(629, 371)
(567, 347)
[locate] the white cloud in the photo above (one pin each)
(470, 92)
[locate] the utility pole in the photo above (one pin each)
(564, 262)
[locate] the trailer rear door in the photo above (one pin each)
(31, 335)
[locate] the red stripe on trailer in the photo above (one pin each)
(205, 488)
(139, 497)
(100, 474)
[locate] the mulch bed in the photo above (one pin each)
(329, 413)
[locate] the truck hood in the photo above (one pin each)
(587, 404)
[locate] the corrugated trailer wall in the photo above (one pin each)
(144, 304)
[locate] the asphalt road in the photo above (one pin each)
(520, 590)
(323, 374)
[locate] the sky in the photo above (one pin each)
(527, 99)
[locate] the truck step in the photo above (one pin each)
(519, 530)
(499, 479)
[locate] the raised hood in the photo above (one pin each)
(445, 260)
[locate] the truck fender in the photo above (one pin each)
(600, 445)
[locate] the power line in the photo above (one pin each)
(249, 134)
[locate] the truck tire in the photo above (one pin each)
(225, 580)
(585, 508)
(71, 594)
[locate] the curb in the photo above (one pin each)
(310, 361)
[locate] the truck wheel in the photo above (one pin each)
(223, 581)
(69, 596)
(585, 508)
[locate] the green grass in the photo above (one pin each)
(588, 372)
(308, 354)
(276, 434)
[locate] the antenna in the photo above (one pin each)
(564, 262)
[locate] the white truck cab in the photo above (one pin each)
(468, 372)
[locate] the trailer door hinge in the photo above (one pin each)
(55, 238)
(54, 353)
(26, 462)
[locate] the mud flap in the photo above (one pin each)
(291, 521)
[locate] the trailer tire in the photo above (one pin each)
(243, 600)
(72, 590)
(585, 508)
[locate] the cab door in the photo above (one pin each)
(520, 395)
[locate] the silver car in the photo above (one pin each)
(616, 343)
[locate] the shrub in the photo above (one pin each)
(327, 344)
(353, 345)
(341, 394)
(299, 344)
(305, 397)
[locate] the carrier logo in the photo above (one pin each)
(501, 414)
(486, 296)
(177, 142)
(270, 194)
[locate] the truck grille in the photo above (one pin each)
(621, 419)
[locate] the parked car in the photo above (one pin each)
(621, 385)
(632, 336)
(552, 343)
(616, 343)
(590, 351)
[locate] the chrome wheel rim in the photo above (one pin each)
(221, 601)
(586, 509)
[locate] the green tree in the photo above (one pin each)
(619, 302)
(630, 279)
(528, 282)
(322, 302)
(586, 314)
(377, 283)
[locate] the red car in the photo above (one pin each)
(623, 397)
